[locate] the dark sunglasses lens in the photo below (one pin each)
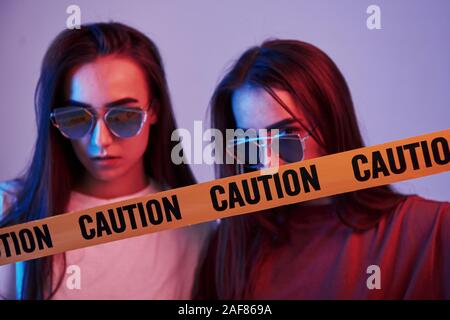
(125, 123)
(251, 168)
(290, 149)
(73, 122)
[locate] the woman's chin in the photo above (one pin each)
(107, 175)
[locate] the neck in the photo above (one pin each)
(131, 182)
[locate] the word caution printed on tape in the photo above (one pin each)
(245, 193)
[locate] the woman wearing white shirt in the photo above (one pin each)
(104, 124)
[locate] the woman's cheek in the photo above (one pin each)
(134, 148)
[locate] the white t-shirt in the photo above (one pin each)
(153, 266)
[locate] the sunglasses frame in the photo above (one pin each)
(94, 116)
(288, 136)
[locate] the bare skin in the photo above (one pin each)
(111, 79)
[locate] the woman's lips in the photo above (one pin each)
(106, 161)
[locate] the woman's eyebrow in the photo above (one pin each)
(279, 124)
(76, 103)
(122, 101)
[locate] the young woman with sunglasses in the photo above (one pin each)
(104, 121)
(329, 248)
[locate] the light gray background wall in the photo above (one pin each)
(399, 76)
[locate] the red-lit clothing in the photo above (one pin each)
(325, 259)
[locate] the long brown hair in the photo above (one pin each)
(54, 169)
(319, 89)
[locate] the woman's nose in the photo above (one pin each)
(272, 154)
(101, 136)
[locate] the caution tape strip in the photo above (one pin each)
(241, 194)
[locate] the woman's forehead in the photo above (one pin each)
(107, 79)
(254, 107)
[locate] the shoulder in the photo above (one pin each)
(9, 186)
(423, 217)
(419, 206)
(8, 194)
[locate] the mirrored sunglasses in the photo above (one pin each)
(252, 152)
(75, 122)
